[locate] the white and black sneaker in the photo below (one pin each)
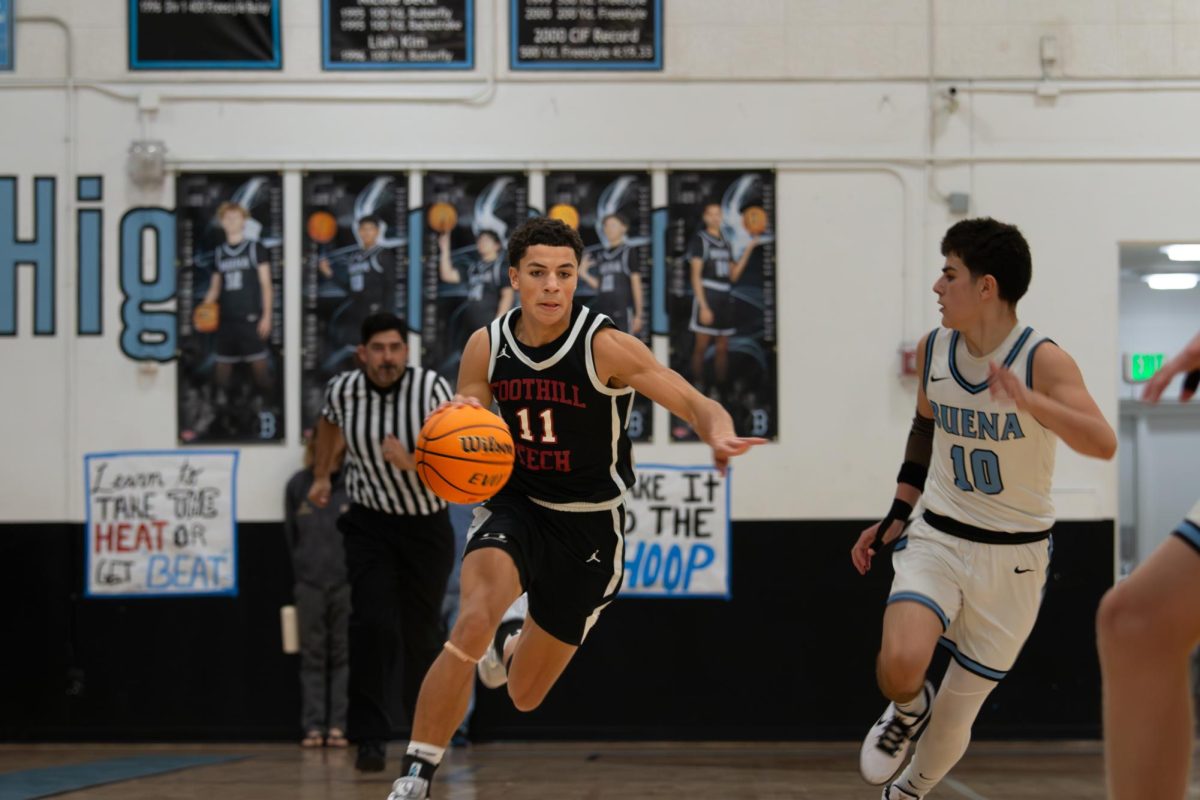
(410, 787)
(894, 791)
(492, 671)
(886, 746)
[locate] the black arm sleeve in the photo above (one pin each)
(917, 453)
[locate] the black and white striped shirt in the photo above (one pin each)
(367, 414)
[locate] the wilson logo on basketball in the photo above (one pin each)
(484, 444)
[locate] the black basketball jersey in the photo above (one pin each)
(717, 256)
(611, 269)
(366, 275)
(241, 295)
(572, 451)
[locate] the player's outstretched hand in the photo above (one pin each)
(726, 447)
(1004, 386)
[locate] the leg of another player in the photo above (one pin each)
(490, 584)
(1147, 627)
(700, 347)
(910, 635)
(537, 663)
(722, 360)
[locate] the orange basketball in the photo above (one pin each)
(755, 220)
(464, 454)
(442, 217)
(322, 227)
(567, 213)
(206, 317)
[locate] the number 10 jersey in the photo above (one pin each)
(992, 465)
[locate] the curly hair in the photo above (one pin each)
(990, 247)
(542, 230)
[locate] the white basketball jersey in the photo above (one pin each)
(992, 465)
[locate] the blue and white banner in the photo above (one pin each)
(677, 539)
(161, 523)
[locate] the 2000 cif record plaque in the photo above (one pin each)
(586, 34)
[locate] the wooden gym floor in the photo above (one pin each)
(572, 771)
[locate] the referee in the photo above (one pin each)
(399, 543)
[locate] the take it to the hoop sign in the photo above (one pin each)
(586, 34)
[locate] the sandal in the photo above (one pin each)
(311, 739)
(336, 738)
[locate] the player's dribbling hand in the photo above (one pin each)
(1004, 386)
(726, 447)
(458, 401)
(864, 549)
(318, 493)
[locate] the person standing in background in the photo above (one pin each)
(322, 594)
(399, 546)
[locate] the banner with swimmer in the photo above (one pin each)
(677, 541)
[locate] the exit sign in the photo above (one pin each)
(1139, 367)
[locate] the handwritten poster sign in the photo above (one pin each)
(161, 523)
(677, 533)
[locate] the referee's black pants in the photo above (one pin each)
(398, 569)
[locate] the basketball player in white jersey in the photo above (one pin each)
(1147, 628)
(995, 397)
(564, 378)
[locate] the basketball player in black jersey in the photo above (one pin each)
(618, 285)
(564, 379)
(488, 292)
(241, 285)
(370, 281)
(713, 273)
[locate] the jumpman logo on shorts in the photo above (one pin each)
(593, 557)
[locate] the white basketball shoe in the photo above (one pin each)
(894, 791)
(410, 787)
(886, 746)
(491, 668)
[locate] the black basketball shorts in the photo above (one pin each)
(238, 340)
(571, 563)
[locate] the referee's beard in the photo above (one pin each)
(385, 374)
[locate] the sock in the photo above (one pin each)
(421, 760)
(946, 738)
(915, 707)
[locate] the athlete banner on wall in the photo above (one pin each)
(204, 34)
(369, 34)
(229, 235)
(465, 228)
(161, 522)
(598, 34)
(611, 211)
(677, 541)
(355, 265)
(721, 293)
